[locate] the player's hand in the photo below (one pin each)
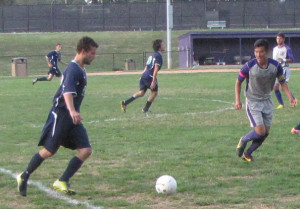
(293, 102)
(280, 60)
(238, 105)
(153, 84)
(50, 65)
(75, 117)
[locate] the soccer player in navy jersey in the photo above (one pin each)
(260, 74)
(148, 79)
(283, 54)
(52, 59)
(63, 126)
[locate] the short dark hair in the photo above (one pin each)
(156, 44)
(260, 43)
(280, 34)
(85, 43)
(58, 44)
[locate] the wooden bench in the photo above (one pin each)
(216, 24)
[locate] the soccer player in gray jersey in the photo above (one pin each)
(260, 74)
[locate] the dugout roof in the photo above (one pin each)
(230, 47)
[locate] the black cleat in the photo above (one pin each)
(241, 147)
(22, 185)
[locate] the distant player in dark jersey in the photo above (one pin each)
(63, 126)
(148, 79)
(260, 74)
(283, 54)
(52, 59)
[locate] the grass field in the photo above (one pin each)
(190, 134)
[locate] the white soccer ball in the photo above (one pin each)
(166, 185)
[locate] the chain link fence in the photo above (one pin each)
(149, 15)
(104, 62)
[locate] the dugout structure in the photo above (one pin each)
(228, 47)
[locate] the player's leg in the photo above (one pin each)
(287, 78)
(256, 120)
(51, 73)
(151, 99)
(143, 88)
(256, 143)
(36, 160)
(278, 95)
(262, 129)
(79, 139)
(296, 130)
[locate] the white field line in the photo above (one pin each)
(168, 114)
(52, 193)
(187, 113)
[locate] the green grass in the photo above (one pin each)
(128, 45)
(191, 134)
(34, 47)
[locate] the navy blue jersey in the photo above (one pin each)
(74, 82)
(154, 59)
(54, 57)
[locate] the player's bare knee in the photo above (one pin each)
(44, 153)
(84, 153)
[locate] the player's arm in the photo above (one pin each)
(285, 88)
(289, 56)
(48, 61)
(155, 72)
(70, 105)
(238, 86)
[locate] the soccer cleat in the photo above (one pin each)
(34, 81)
(247, 157)
(22, 185)
(295, 131)
(241, 147)
(63, 187)
(123, 106)
(279, 107)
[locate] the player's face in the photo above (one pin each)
(279, 40)
(89, 56)
(261, 55)
(58, 47)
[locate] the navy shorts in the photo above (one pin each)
(59, 130)
(54, 71)
(145, 84)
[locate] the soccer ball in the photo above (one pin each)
(166, 185)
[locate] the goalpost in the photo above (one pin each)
(169, 30)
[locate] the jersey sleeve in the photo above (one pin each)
(289, 54)
(280, 74)
(158, 60)
(244, 72)
(50, 54)
(70, 82)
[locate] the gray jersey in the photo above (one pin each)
(260, 81)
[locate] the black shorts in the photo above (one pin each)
(54, 71)
(145, 84)
(59, 130)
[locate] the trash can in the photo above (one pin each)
(19, 66)
(130, 64)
